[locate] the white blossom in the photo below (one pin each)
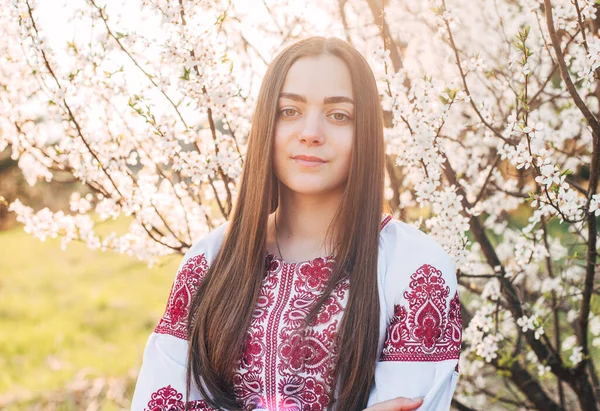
(576, 356)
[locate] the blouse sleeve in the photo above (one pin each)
(423, 335)
(161, 383)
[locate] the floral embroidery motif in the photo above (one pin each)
(303, 394)
(174, 320)
(169, 399)
(283, 367)
(315, 274)
(427, 331)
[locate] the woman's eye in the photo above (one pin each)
(288, 112)
(340, 116)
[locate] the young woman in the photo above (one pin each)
(309, 297)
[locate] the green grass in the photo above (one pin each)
(66, 311)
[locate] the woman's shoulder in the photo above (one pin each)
(207, 245)
(409, 257)
(404, 249)
(399, 238)
(200, 255)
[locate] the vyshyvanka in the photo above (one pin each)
(419, 334)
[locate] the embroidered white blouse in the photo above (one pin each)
(419, 335)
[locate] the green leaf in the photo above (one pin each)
(506, 359)
(452, 93)
(71, 45)
(186, 74)
(222, 17)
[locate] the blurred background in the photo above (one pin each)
(74, 322)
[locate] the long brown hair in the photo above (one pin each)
(223, 305)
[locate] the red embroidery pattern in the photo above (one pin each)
(281, 366)
(427, 331)
(174, 320)
(169, 399)
(385, 220)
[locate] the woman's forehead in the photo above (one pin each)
(317, 78)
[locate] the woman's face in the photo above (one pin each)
(314, 126)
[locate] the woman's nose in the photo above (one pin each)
(312, 131)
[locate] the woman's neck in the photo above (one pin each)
(302, 224)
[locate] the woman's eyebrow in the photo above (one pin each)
(337, 99)
(326, 100)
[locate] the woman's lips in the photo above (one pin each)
(309, 161)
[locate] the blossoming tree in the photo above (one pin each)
(492, 114)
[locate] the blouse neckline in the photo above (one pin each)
(275, 257)
(386, 218)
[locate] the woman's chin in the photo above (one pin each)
(314, 188)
